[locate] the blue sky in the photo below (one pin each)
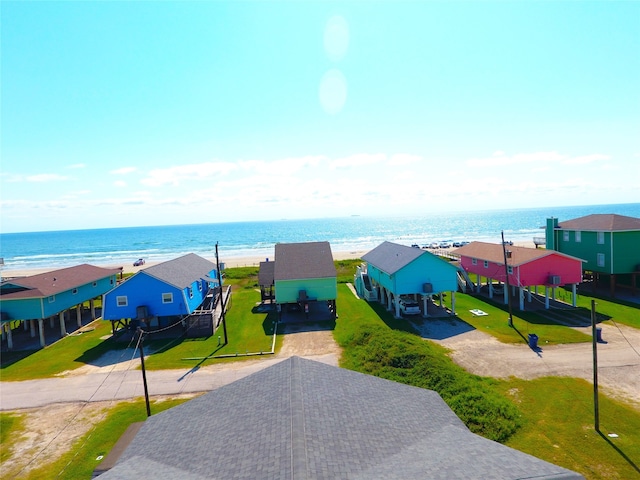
(122, 113)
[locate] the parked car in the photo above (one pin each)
(409, 306)
(139, 262)
(445, 244)
(433, 245)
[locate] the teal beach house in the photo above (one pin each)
(53, 295)
(400, 274)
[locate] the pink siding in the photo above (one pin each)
(536, 272)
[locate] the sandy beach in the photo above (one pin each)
(229, 262)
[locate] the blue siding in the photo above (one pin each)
(145, 290)
(411, 278)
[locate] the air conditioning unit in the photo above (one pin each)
(554, 279)
(427, 288)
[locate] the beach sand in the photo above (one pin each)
(230, 262)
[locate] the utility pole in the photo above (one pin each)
(144, 373)
(594, 341)
(506, 279)
(224, 319)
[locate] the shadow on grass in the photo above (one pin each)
(620, 452)
(441, 328)
(10, 357)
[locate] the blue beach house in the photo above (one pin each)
(403, 275)
(161, 295)
(52, 295)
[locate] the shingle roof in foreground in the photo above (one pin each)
(301, 419)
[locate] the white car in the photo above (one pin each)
(409, 307)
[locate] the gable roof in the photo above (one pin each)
(57, 281)
(266, 273)
(296, 261)
(181, 272)
(301, 419)
(391, 257)
(602, 222)
(492, 252)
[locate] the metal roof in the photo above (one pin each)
(391, 257)
(57, 281)
(181, 272)
(602, 222)
(295, 261)
(301, 419)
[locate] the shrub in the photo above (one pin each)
(405, 358)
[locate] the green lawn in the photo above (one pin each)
(68, 353)
(80, 461)
(496, 323)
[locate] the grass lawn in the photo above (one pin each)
(558, 426)
(68, 353)
(80, 461)
(496, 323)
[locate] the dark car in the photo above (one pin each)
(139, 262)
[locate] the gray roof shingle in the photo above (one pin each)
(182, 271)
(300, 419)
(391, 257)
(295, 261)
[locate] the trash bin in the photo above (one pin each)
(599, 334)
(533, 340)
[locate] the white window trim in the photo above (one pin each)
(600, 238)
(474, 261)
(565, 236)
(95, 284)
(510, 269)
(52, 298)
(578, 236)
(190, 292)
(122, 301)
(601, 259)
(167, 297)
(486, 264)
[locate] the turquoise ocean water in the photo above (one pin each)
(121, 246)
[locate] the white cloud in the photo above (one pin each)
(123, 171)
(595, 157)
(358, 160)
(46, 177)
(191, 172)
(499, 158)
(400, 159)
(120, 183)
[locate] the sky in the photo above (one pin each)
(117, 113)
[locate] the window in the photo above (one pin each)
(565, 236)
(601, 238)
(601, 259)
(578, 236)
(486, 264)
(200, 286)
(52, 298)
(74, 291)
(122, 300)
(95, 284)
(190, 292)
(474, 261)
(167, 297)
(510, 269)
(111, 281)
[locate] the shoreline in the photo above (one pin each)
(229, 262)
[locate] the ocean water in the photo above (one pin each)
(122, 246)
